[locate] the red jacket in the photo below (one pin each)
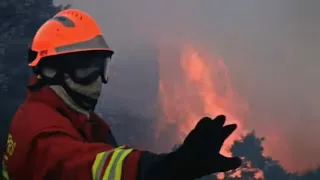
(48, 140)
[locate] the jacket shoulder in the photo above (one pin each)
(33, 117)
(31, 120)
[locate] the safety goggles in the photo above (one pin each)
(86, 71)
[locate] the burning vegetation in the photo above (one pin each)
(199, 85)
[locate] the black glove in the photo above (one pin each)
(201, 148)
(199, 155)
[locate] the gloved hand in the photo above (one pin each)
(199, 155)
(200, 150)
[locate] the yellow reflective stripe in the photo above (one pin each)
(5, 174)
(96, 164)
(114, 169)
(107, 172)
(120, 163)
(120, 147)
(99, 163)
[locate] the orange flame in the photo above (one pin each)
(258, 174)
(195, 86)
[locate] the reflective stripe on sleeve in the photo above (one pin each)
(114, 169)
(5, 175)
(99, 163)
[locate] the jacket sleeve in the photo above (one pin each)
(168, 166)
(56, 155)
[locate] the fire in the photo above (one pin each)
(258, 174)
(194, 84)
(197, 85)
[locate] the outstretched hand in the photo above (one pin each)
(203, 145)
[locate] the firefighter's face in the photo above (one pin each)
(91, 90)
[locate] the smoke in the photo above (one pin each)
(270, 47)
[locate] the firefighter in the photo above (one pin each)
(55, 133)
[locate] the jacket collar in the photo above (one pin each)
(48, 97)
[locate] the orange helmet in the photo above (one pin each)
(68, 31)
